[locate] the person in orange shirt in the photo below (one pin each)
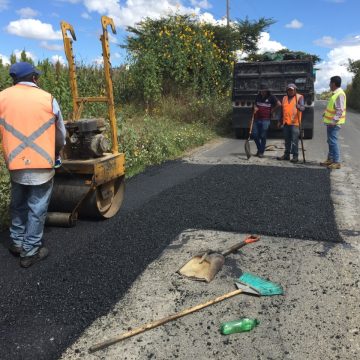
(292, 108)
(32, 132)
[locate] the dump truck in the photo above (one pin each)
(247, 78)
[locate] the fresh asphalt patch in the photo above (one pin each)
(45, 308)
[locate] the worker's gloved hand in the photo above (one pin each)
(58, 162)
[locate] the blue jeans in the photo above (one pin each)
(332, 140)
(291, 135)
(28, 209)
(259, 131)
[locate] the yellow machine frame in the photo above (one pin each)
(92, 187)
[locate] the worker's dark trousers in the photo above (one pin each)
(259, 133)
(291, 135)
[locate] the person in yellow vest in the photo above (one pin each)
(292, 108)
(334, 117)
(32, 131)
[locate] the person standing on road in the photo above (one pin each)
(292, 108)
(333, 118)
(32, 131)
(265, 105)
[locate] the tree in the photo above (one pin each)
(178, 54)
(353, 90)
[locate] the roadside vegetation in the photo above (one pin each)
(353, 90)
(172, 95)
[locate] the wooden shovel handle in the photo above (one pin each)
(250, 239)
(251, 125)
(162, 321)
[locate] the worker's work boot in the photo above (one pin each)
(27, 261)
(334, 165)
(294, 160)
(15, 250)
(326, 162)
(284, 157)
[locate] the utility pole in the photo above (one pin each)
(227, 12)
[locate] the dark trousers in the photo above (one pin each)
(259, 133)
(291, 135)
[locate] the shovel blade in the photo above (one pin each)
(202, 268)
(247, 149)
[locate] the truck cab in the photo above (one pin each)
(276, 75)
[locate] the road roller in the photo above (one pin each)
(90, 182)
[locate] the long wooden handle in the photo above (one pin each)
(250, 239)
(162, 321)
(251, 125)
(301, 137)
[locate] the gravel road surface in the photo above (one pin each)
(105, 277)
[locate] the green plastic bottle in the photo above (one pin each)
(236, 326)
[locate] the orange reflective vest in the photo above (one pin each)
(27, 127)
(291, 115)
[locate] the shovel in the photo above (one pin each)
(204, 266)
(246, 284)
(247, 142)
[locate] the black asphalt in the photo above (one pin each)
(44, 309)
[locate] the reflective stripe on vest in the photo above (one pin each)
(291, 115)
(330, 112)
(27, 126)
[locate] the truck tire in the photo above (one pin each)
(240, 133)
(308, 133)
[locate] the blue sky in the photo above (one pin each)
(328, 28)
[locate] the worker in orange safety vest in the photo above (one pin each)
(292, 108)
(32, 131)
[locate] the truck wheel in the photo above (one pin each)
(308, 133)
(240, 133)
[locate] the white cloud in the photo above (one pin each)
(209, 18)
(58, 58)
(202, 4)
(33, 29)
(51, 47)
(328, 41)
(294, 24)
(86, 16)
(325, 41)
(133, 11)
(336, 64)
(4, 4)
(17, 53)
(99, 61)
(265, 44)
(27, 13)
(117, 55)
(5, 59)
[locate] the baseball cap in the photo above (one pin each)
(263, 87)
(291, 86)
(22, 69)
